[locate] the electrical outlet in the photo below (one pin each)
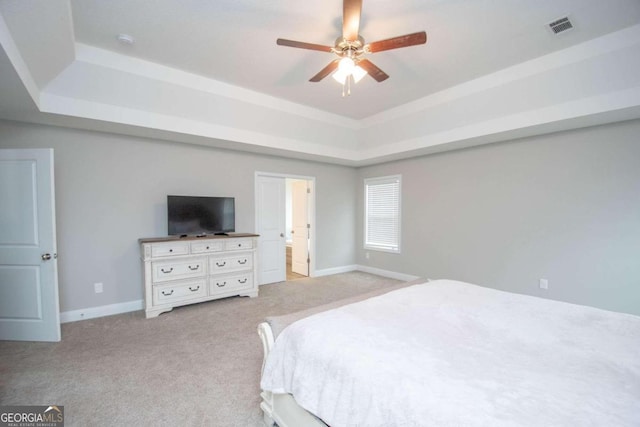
(98, 288)
(544, 284)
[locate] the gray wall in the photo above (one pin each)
(111, 190)
(565, 207)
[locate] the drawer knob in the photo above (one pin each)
(221, 265)
(166, 271)
(207, 247)
(239, 244)
(170, 250)
(221, 285)
(193, 290)
(242, 281)
(194, 268)
(166, 294)
(243, 262)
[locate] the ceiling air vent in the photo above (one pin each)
(561, 25)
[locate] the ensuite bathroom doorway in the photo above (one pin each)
(285, 223)
(297, 228)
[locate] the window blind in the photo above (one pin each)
(382, 213)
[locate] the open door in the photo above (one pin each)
(300, 227)
(270, 225)
(29, 309)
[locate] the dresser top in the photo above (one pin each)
(205, 237)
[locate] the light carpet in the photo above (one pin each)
(197, 365)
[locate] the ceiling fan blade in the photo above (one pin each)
(373, 70)
(303, 45)
(398, 42)
(351, 19)
(325, 71)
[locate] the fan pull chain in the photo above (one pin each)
(346, 86)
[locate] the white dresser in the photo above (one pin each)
(181, 271)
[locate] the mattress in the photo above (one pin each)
(453, 353)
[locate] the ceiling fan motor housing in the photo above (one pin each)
(349, 48)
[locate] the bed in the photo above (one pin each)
(451, 353)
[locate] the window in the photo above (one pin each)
(382, 213)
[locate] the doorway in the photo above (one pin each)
(285, 215)
(297, 228)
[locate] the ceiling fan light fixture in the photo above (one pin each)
(358, 73)
(340, 76)
(346, 65)
(346, 78)
(343, 72)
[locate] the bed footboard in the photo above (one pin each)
(266, 336)
(281, 408)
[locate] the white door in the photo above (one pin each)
(29, 308)
(300, 228)
(270, 225)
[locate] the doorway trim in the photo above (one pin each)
(312, 210)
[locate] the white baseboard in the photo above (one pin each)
(103, 310)
(335, 270)
(366, 269)
(386, 273)
(125, 307)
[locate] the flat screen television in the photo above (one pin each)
(193, 215)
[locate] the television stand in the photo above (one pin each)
(186, 270)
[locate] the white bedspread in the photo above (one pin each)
(448, 353)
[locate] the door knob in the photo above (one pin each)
(46, 257)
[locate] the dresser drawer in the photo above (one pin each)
(178, 269)
(206, 247)
(169, 249)
(238, 244)
(184, 291)
(219, 285)
(221, 264)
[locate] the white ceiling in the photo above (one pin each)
(210, 72)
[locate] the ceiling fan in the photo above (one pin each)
(351, 49)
